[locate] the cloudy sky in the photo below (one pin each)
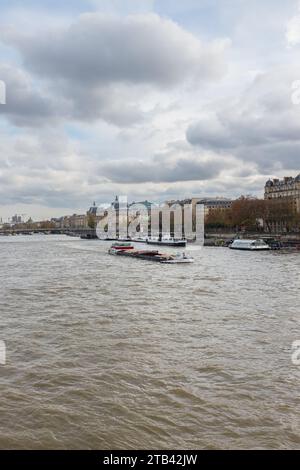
(150, 98)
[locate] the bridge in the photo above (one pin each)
(86, 233)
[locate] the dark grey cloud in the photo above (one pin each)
(135, 49)
(164, 170)
(244, 129)
(102, 66)
(263, 126)
(30, 104)
(26, 105)
(113, 105)
(112, 68)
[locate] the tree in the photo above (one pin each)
(280, 214)
(253, 215)
(218, 219)
(246, 213)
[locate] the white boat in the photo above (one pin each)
(179, 258)
(140, 239)
(249, 245)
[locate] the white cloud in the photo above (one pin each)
(107, 48)
(124, 7)
(88, 68)
(293, 30)
(99, 103)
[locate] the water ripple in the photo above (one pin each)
(109, 353)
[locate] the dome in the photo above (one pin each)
(93, 210)
(269, 183)
(297, 179)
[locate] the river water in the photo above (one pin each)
(110, 353)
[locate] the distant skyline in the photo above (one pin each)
(152, 99)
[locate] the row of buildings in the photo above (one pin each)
(83, 221)
(288, 189)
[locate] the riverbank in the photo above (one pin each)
(223, 239)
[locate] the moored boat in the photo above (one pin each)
(249, 245)
(140, 239)
(166, 241)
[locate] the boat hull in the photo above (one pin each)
(153, 256)
(182, 261)
(179, 243)
(251, 249)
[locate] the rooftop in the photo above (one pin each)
(286, 180)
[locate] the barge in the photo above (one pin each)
(127, 250)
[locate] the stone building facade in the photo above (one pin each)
(287, 188)
(215, 204)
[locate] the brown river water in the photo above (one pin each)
(112, 353)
